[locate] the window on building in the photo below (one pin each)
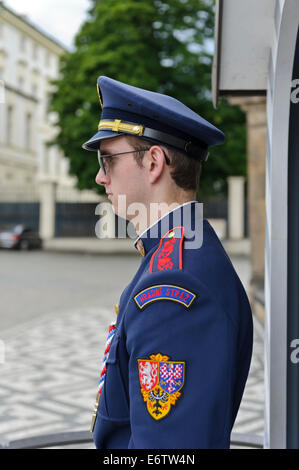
(22, 43)
(48, 95)
(21, 73)
(47, 59)
(20, 82)
(34, 89)
(34, 51)
(9, 124)
(28, 131)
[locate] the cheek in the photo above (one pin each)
(130, 182)
(135, 185)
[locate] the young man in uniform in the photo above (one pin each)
(176, 362)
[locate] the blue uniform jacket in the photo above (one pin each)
(181, 351)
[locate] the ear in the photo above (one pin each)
(155, 163)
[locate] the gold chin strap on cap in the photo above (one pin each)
(196, 150)
(118, 126)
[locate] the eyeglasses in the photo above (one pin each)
(106, 160)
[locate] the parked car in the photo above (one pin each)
(19, 237)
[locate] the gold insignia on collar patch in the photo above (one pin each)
(140, 247)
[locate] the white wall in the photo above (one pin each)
(29, 61)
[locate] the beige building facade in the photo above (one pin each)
(29, 61)
(257, 65)
(256, 123)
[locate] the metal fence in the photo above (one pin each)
(14, 213)
(76, 219)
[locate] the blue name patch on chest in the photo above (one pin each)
(164, 292)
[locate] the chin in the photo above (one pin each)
(116, 210)
(113, 208)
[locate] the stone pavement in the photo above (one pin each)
(50, 373)
(51, 370)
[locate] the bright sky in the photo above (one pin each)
(59, 18)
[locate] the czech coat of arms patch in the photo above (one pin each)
(161, 381)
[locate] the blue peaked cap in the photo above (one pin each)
(152, 116)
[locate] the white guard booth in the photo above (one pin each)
(256, 53)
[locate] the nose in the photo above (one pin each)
(101, 178)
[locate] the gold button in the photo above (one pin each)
(116, 309)
(171, 234)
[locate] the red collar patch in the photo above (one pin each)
(169, 254)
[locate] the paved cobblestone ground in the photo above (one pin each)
(50, 376)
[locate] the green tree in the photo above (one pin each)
(161, 46)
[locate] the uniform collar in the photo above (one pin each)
(153, 234)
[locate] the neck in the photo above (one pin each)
(156, 210)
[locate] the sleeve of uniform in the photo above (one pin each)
(182, 363)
